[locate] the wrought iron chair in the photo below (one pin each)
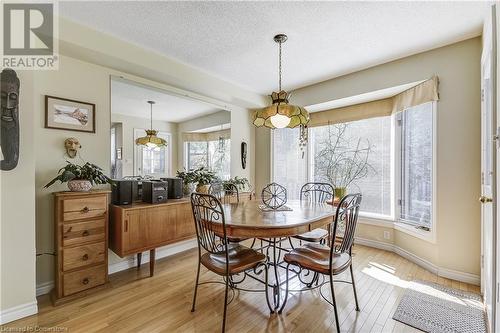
(225, 193)
(319, 193)
(219, 256)
(332, 260)
(217, 190)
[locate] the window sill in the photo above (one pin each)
(428, 236)
(378, 221)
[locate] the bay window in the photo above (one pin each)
(289, 162)
(213, 155)
(388, 159)
(416, 142)
(355, 155)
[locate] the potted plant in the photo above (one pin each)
(81, 178)
(204, 177)
(188, 181)
(240, 183)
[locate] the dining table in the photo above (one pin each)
(252, 219)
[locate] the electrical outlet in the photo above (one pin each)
(387, 235)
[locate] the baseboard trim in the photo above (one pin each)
(440, 271)
(129, 262)
(44, 288)
(18, 312)
(162, 252)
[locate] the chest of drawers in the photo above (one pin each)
(81, 243)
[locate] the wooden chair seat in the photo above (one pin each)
(241, 258)
(315, 235)
(316, 257)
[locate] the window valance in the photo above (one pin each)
(423, 92)
(209, 136)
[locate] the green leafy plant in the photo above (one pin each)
(200, 176)
(204, 176)
(188, 177)
(88, 171)
(240, 183)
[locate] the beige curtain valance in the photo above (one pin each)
(210, 136)
(423, 92)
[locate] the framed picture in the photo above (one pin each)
(68, 114)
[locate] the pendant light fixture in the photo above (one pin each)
(151, 140)
(280, 113)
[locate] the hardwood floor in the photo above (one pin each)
(136, 303)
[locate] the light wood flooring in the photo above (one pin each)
(136, 303)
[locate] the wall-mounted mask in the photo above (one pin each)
(9, 119)
(72, 146)
(243, 155)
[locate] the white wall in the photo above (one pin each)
(17, 217)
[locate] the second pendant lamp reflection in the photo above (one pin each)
(280, 113)
(151, 140)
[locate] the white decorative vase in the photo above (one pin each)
(79, 185)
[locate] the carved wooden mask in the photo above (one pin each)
(9, 119)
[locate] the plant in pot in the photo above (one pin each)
(240, 183)
(81, 178)
(188, 180)
(204, 178)
(341, 158)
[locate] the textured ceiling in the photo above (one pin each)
(131, 99)
(233, 40)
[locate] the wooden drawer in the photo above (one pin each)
(83, 255)
(83, 279)
(82, 232)
(76, 209)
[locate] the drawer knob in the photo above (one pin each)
(85, 209)
(85, 233)
(85, 257)
(85, 281)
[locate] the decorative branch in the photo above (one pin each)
(343, 160)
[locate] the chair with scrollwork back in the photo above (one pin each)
(318, 193)
(217, 190)
(330, 260)
(232, 194)
(214, 250)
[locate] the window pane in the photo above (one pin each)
(153, 160)
(220, 158)
(416, 164)
(197, 155)
(356, 155)
(213, 155)
(289, 166)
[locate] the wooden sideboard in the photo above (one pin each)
(81, 243)
(142, 227)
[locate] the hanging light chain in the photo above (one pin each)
(280, 72)
(151, 113)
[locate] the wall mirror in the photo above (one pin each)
(197, 133)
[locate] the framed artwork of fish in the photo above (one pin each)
(68, 114)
